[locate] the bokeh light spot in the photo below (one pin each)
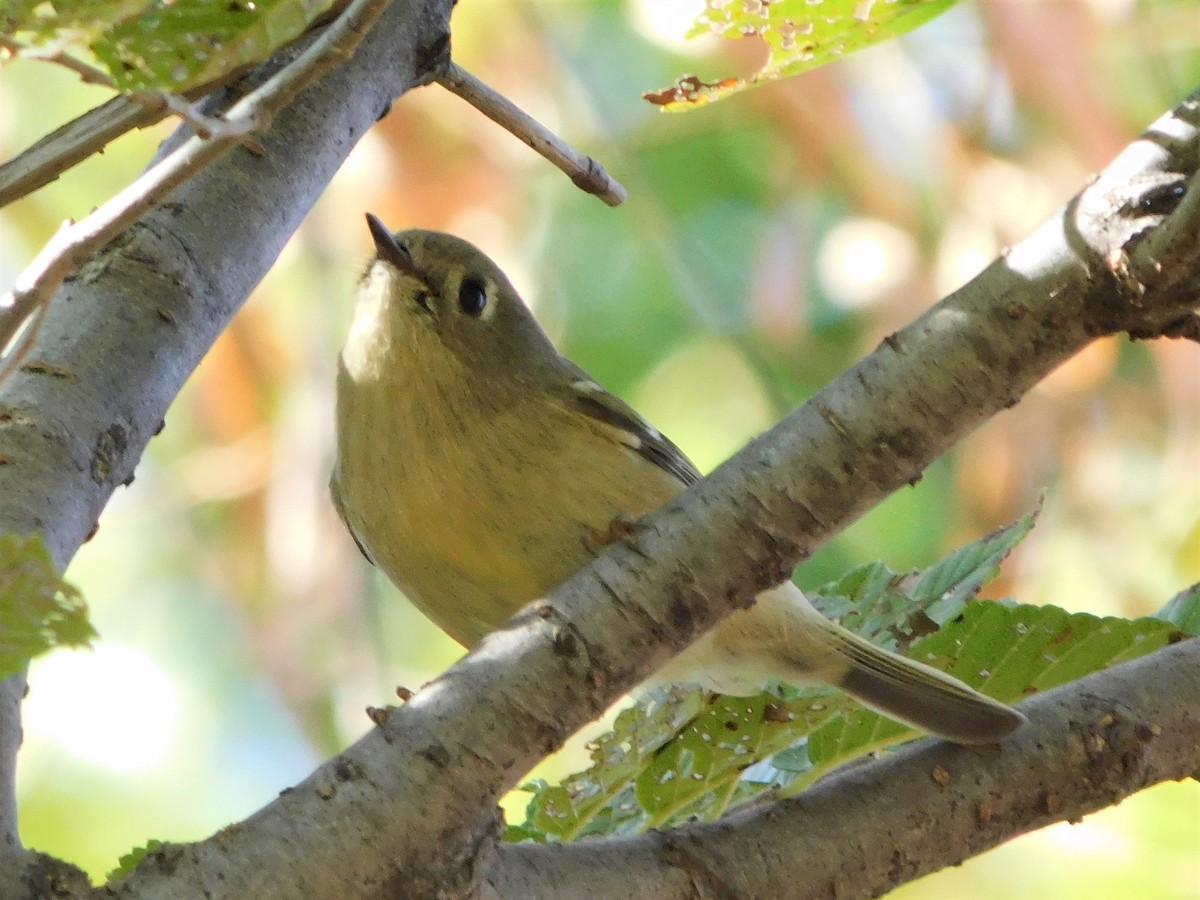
(862, 259)
(114, 707)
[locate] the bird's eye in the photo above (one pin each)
(472, 297)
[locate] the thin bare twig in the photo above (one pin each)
(160, 102)
(584, 172)
(87, 74)
(75, 242)
(83, 136)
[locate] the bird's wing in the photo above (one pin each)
(635, 432)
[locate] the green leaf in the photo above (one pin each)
(1183, 610)
(129, 861)
(800, 34)
(38, 610)
(165, 44)
(176, 45)
(598, 799)
(1008, 651)
(959, 576)
(689, 755)
(893, 610)
(733, 734)
(875, 602)
(67, 22)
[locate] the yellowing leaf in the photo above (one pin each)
(800, 35)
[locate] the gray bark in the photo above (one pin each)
(867, 829)
(410, 809)
(134, 322)
(12, 692)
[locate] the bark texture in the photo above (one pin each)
(129, 328)
(867, 829)
(410, 809)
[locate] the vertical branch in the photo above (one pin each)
(12, 691)
(39, 432)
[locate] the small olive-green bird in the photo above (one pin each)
(477, 467)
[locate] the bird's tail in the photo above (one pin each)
(920, 695)
(783, 638)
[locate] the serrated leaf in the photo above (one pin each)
(874, 601)
(1009, 651)
(1183, 610)
(862, 592)
(129, 861)
(800, 35)
(893, 610)
(958, 577)
(730, 735)
(38, 610)
(724, 750)
(598, 798)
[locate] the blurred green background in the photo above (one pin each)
(768, 243)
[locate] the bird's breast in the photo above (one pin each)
(472, 517)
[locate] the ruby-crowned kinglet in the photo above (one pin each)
(476, 466)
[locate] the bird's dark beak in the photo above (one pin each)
(391, 251)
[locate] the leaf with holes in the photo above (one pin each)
(600, 799)
(893, 610)
(688, 755)
(167, 45)
(176, 45)
(800, 35)
(1007, 650)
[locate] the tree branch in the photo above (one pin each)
(132, 323)
(74, 243)
(155, 102)
(585, 173)
(867, 829)
(410, 808)
(12, 691)
(91, 132)
(50, 156)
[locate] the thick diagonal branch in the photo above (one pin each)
(410, 808)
